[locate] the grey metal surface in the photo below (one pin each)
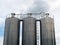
(28, 33)
(11, 31)
(47, 31)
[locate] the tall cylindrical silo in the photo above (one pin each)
(28, 32)
(47, 31)
(11, 33)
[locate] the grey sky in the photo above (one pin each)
(39, 6)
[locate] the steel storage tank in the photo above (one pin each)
(11, 33)
(47, 31)
(28, 32)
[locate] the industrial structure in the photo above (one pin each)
(32, 34)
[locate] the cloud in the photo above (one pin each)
(1, 22)
(58, 41)
(1, 40)
(39, 6)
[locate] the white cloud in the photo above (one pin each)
(1, 40)
(1, 21)
(53, 4)
(15, 5)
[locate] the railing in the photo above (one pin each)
(35, 15)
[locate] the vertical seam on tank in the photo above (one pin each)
(18, 32)
(35, 34)
(41, 31)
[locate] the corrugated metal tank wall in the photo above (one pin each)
(11, 31)
(28, 33)
(47, 31)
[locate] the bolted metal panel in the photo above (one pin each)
(28, 33)
(11, 34)
(47, 31)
